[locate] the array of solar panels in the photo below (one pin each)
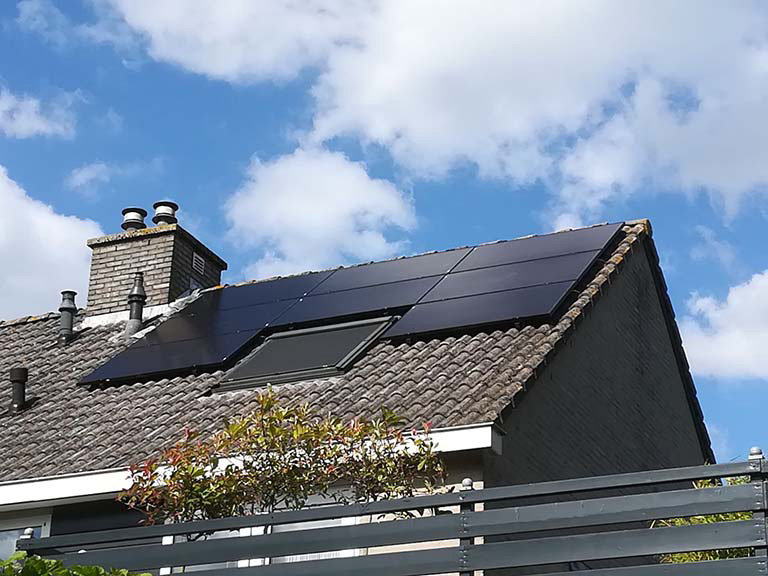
(488, 284)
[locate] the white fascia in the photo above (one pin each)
(103, 484)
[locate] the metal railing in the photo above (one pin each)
(558, 524)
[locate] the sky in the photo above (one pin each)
(304, 135)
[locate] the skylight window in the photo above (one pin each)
(305, 354)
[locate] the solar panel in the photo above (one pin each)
(511, 276)
(391, 271)
(476, 310)
(313, 351)
(267, 291)
(379, 298)
(559, 243)
(141, 360)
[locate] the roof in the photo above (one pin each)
(450, 380)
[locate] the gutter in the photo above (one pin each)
(104, 484)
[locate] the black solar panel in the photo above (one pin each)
(559, 243)
(306, 351)
(493, 308)
(141, 360)
(435, 264)
(379, 298)
(268, 291)
(204, 321)
(511, 276)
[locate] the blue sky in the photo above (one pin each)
(305, 135)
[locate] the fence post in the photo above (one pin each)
(760, 475)
(465, 543)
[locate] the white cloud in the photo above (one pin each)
(710, 247)
(25, 116)
(242, 40)
(42, 17)
(728, 338)
(599, 99)
(44, 252)
(89, 179)
(315, 209)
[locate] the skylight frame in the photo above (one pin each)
(309, 374)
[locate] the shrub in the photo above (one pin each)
(277, 458)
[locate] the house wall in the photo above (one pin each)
(613, 400)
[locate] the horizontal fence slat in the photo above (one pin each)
(573, 486)
(616, 510)
(146, 557)
(614, 545)
(584, 513)
(735, 567)
(561, 549)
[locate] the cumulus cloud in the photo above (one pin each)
(241, 40)
(599, 100)
(89, 179)
(315, 209)
(728, 338)
(46, 251)
(23, 116)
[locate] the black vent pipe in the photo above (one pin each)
(137, 297)
(19, 377)
(68, 309)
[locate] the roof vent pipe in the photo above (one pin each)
(137, 297)
(19, 384)
(165, 212)
(68, 309)
(133, 219)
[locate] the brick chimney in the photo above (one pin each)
(172, 260)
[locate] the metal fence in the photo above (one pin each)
(556, 526)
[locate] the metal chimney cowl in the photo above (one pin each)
(165, 212)
(68, 310)
(18, 377)
(133, 219)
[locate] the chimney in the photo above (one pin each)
(172, 261)
(68, 309)
(19, 384)
(136, 298)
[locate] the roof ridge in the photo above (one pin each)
(38, 318)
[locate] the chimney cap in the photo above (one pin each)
(19, 374)
(133, 218)
(165, 212)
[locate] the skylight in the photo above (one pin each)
(305, 354)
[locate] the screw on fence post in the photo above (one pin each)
(465, 543)
(760, 475)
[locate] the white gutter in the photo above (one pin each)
(103, 484)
